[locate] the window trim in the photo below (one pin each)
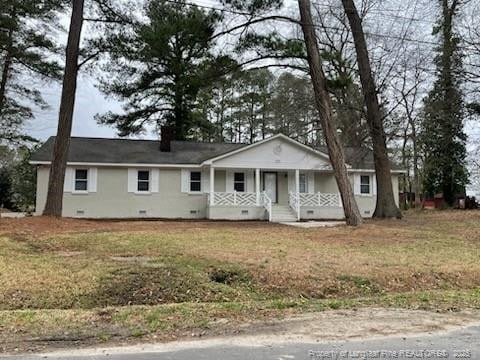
(190, 181)
(87, 181)
(149, 181)
(362, 184)
(244, 182)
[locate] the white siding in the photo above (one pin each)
(92, 179)
(275, 154)
(68, 182)
(205, 180)
(154, 180)
(185, 180)
(310, 182)
(132, 180)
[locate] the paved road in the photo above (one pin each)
(450, 345)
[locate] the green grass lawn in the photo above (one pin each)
(106, 280)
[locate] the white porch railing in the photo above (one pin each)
(235, 198)
(320, 200)
(266, 202)
(294, 203)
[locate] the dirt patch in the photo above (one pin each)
(358, 323)
(264, 331)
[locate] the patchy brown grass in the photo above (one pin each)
(50, 263)
(428, 259)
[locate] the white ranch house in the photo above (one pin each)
(277, 179)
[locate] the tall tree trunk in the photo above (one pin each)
(54, 204)
(449, 193)
(324, 107)
(6, 69)
(406, 177)
(413, 136)
(416, 178)
(386, 207)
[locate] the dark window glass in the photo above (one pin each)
(143, 181)
(81, 174)
(303, 183)
(81, 180)
(143, 175)
(239, 186)
(195, 186)
(239, 182)
(365, 184)
(142, 186)
(195, 176)
(80, 185)
(239, 177)
(195, 181)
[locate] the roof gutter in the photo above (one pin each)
(71, 163)
(136, 165)
(373, 170)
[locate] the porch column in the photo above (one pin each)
(257, 185)
(212, 185)
(297, 181)
(297, 191)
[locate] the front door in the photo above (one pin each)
(270, 185)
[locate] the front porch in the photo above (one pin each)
(277, 179)
(278, 195)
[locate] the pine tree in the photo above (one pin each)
(158, 68)
(26, 43)
(54, 203)
(108, 14)
(252, 108)
(443, 136)
(293, 107)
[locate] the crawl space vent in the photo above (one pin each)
(142, 212)
(80, 212)
(310, 212)
(244, 212)
(193, 212)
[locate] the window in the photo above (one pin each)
(303, 183)
(195, 181)
(81, 180)
(239, 182)
(364, 184)
(143, 180)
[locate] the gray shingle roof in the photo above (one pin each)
(127, 151)
(361, 158)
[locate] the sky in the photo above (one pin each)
(88, 102)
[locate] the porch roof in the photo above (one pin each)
(362, 158)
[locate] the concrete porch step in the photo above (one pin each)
(283, 213)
